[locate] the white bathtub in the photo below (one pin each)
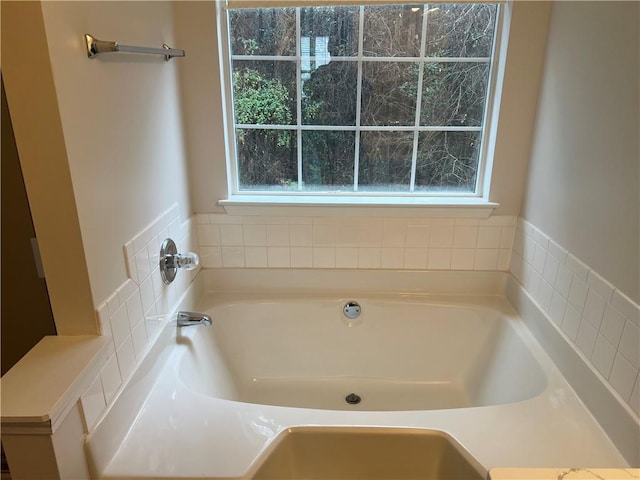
(399, 354)
(207, 401)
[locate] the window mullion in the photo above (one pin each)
(416, 133)
(298, 98)
(356, 159)
(313, 58)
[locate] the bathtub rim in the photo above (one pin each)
(107, 461)
(334, 281)
(615, 417)
(117, 465)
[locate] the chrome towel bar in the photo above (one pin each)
(95, 46)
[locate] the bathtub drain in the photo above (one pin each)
(352, 399)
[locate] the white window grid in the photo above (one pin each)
(416, 128)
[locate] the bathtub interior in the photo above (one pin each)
(397, 355)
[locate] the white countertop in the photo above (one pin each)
(44, 384)
(565, 474)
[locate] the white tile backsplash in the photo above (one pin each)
(557, 308)
(629, 342)
(463, 258)
(465, 236)
(466, 221)
(540, 238)
(231, 235)
(209, 235)
(324, 235)
(486, 259)
(394, 232)
(415, 258)
(506, 237)
(417, 236)
(120, 329)
(578, 268)
(134, 309)
(634, 401)
(346, 236)
(539, 259)
(211, 257)
(357, 242)
(439, 259)
(544, 295)
(557, 252)
(278, 235)
(346, 257)
(278, 257)
(504, 258)
(571, 322)
(594, 308)
(140, 340)
(302, 257)
(441, 236)
(626, 307)
(578, 294)
(600, 285)
(563, 281)
(586, 340)
(142, 265)
(254, 235)
(324, 257)
(392, 258)
(134, 314)
(612, 325)
(146, 294)
(369, 257)
(603, 355)
(255, 257)
(233, 257)
(93, 404)
(550, 270)
(110, 379)
(126, 358)
(489, 237)
(595, 317)
(369, 234)
(623, 376)
(301, 235)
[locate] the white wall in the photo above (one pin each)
(523, 70)
(195, 28)
(584, 176)
(196, 31)
(122, 126)
(39, 136)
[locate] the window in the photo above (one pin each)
(360, 100)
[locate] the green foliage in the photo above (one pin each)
(250, 45)
(452, 94)
(262, 101)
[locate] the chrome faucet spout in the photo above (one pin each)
(186, 319)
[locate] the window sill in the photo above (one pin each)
(358, 206)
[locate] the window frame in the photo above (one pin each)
(474, 203)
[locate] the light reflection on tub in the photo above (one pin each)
(397, 356)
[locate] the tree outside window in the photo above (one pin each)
(368, 99)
